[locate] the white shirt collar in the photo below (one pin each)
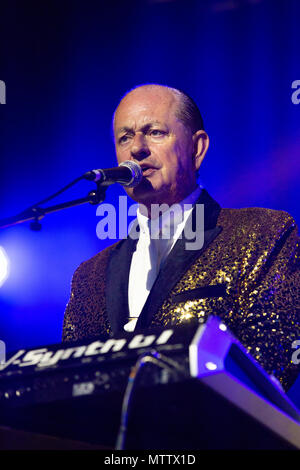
(169, 219)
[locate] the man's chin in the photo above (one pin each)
(144, 193)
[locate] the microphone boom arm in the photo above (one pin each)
(36, 213)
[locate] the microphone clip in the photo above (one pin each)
(97, 195)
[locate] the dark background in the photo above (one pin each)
(66, 64)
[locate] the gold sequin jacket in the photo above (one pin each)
(246, 273)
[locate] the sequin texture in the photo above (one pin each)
(256, 255)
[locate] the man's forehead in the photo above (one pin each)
(149, 106)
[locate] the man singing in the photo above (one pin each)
(245, 271)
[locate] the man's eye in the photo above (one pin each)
(156, 132)
(123, 139)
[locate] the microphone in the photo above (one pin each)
(128, 174)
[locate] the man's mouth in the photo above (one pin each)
(148, 169)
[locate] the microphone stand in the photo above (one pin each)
(37, 213)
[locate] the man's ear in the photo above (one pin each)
(201, 144)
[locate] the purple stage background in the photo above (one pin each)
(67, 63)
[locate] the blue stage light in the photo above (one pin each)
(4, 266)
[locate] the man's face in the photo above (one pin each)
(148, 132)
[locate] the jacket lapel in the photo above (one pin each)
(117, 284)
(180, 259)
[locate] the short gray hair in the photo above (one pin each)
(188, 112)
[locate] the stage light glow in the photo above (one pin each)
(4, 266)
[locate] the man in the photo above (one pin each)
(246, 270)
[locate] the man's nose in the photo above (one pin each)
(139, 149)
